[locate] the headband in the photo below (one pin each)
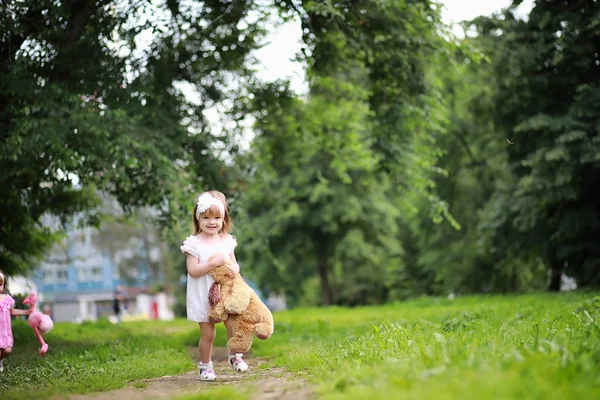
(205, 201)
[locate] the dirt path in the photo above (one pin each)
(267, 383)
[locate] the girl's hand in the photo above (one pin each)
(234, 269)
(218, 259)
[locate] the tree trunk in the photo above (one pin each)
(322, 243)
(556, 269)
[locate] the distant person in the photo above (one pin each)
(117, 301)
(6, 310)
(47, 309)
(211, 238)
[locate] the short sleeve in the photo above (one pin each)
(7, 303)
(231, 243)
(190, 246)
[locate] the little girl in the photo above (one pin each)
(211, 238)
(6, 310)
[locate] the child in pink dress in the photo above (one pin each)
(6, 310)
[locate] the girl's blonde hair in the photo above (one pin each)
(214, 211)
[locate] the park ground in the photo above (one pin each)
(503, 347)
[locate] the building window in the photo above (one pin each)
(62, 275)
(48, 276)
(96, 274)
(82, 274)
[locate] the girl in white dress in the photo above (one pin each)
(211, 238)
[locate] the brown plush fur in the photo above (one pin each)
(238, 302)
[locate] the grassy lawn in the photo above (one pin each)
(536, 346)
(93, 356)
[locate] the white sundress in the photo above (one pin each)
(197, 288)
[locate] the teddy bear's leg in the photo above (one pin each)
(241, 341)
(264, 326)
(263, 331)
(240, 298)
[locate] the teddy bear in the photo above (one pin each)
(232, 298)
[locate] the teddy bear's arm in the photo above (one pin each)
(217, 312)
(239, 299)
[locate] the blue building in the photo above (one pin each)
(78, 278)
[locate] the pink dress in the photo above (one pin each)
(6, 337)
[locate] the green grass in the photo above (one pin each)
(227, 392)
(539, 346)
(536, 346)
(93, 357)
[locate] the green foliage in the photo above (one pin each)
(547, 103)
(326, 208)
(416, 164)
(84, 110)
(441, 258)
(519, 158)
(329, 176)
(386, 48)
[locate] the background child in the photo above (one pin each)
(211, 238)
(117, 300)
(6, 310)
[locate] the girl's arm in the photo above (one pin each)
(197, 269)
(235, 267)
(16, 312)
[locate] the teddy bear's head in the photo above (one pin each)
(221, 274)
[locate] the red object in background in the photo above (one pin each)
(154, 310)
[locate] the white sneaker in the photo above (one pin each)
(207, 373)
(237, 363)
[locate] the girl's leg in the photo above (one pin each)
(235, 360)
(207, 337)
(5, 352)
(205, 344)
(227, 324)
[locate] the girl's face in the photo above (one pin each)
(210, 223)
(2, 283)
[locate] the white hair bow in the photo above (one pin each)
(205, 201)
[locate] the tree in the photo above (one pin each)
(314, 204)
(348, 155)
(390, 43)
(84, 109)
(547, 105)
(130, 241)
